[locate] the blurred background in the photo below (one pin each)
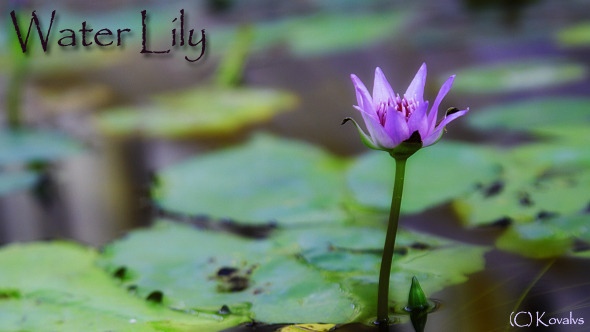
(85, 130)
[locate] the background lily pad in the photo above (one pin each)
(56, 286)
(332, 32)
(570, 135)
(575, 35)
(531, 114)
(522, 193)
(434, 176)
(203, 111)
(548, 237)
(13, 181)
(264, 180)
(517, 76)
(343, 32)
(23, 146)
(296, 268)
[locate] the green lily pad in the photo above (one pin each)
(537, 179)
(323, 274)
(264, 180)
(205, 270)
(352, 256)
(523, 193)
(547, 237)
(434, 176)
(575, 35)
(24, 146)
(57, 287)
(532, 114)
(332, 32)
(14, 181)
(204, 111)
(539, 157)
(518, 76)
(341, 32)
(570, 135)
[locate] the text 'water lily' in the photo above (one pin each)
(392, 119)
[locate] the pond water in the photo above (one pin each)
(98, 196)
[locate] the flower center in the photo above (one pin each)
(405, 105)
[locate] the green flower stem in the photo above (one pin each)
(396, 201)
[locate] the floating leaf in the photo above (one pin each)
(532, 114)
(571, 135)
(536, 240)
(266, 179)
(24, 146)
(547, 237)
(205, 270)
(204, 111)
(518, 76)
(352, 256)
(537, 179)
(575, 35)
(434, 176)
(538, 157)
(57, 287)
(523, 193)
(332, 32)
(13, 181)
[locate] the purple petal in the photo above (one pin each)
(416, 88)
(436, 134)
(432, 116)
(382, 91)
(362, 96)
(418, 120)
(368, 123)
(378, 133)
(396, 127)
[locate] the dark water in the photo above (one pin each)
(96, 197)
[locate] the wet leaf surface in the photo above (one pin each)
(517, 76)
(19, 147)
(15, 181)
(332, 33)
(526, 196)
(547, 237)
(434, 176)
(267, 179)
(531, 114)
(60, 288)
(313, 273)
(203, 271)
(204, 111)
(577, 35)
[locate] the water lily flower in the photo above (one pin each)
(392, 119)
(400, 126)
